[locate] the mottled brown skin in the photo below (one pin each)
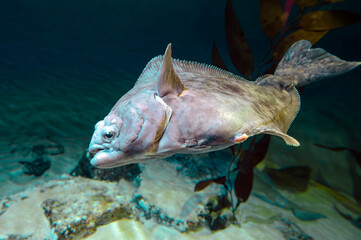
(184, 107)
(220, 109)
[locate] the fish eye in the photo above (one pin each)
(108, 135)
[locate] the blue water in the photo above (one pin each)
(78, 38)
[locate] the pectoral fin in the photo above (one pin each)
(287, 138)
(168, 82)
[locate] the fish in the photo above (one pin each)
(184, 107)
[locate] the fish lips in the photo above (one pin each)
(93, 150)
(102, 157)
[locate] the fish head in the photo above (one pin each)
(130, 133)
(134, 127)
(104, 146)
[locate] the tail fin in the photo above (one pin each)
(302, 65)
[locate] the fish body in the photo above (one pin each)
(185, 107)
(216, 107)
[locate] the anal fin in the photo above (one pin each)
(287, 138)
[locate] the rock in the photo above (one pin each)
(72, 217)
(17, 237)
(69, 208)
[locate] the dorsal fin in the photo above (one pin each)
(168, 81)
(182, 66)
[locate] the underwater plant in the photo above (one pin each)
(242, 164)
(310, 21)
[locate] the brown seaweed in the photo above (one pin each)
(306, 3)
(325, 20)
(271, 16)
(244, 181)
(203, 184)
(217, 59)
(310, 23)
(238, 49)
(243, 162)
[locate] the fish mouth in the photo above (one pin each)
(105, 158)
(93, 150)
(101, 156)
